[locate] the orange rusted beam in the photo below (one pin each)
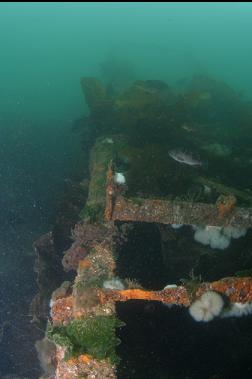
(235, 289)
(172, 295)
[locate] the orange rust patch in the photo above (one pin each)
(137, 294)
(85, 358)
(225, 204)
(84, 263)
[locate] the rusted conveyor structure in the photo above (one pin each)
(88, 301)
(120, 208)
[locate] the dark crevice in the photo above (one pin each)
(159, 342)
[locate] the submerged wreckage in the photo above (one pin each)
(146, 221)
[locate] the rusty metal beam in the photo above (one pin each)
(178, 212)
(235, 289)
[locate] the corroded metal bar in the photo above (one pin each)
(235, 289)
(176, 295)
(178, 212)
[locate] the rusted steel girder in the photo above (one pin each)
(178, 212)
(235, 289)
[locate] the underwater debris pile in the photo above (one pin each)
(133, 181)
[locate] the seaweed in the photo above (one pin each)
(94, 336)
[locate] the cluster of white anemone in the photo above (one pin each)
(207, 307)
(217, 237)
(214, 236)
(211, 305)
(119, 178)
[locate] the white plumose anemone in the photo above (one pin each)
(113, 284)
(207, 307)
(168, 286)
(217, 237)
(211, 235)
(177, 226)
(119, 178)
(230, 231)
(239, 310)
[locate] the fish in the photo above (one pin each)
(184, 157)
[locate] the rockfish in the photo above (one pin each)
(183, 157)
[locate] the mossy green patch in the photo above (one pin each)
(92, 212)
(101, 155)
(94, 336)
